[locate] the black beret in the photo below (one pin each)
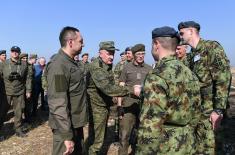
(137, 48)
(15, 48)
(128, 49)
(122, 53)
(2, 52)
(188, 24)
(165, 31)
(85, 54)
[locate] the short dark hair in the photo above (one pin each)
(67, 33)
(85, 54)
(168, 42)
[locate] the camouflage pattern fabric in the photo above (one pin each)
(101, 89)
(118, 70)
(211, 65)
(170, 110)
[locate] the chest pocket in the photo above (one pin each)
(76, 74)
(200, 67)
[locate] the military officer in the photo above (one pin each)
(209, 62)
(24, 57)
(171, 104)
(17, 80)
(133, 74)
(101, 89)
(67, 95)
(3, 55)
(119, 67)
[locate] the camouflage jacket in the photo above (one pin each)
(22, 79)
(211, 65)
(101, 84)
(171, 104)
(118, 70)
(66, 95)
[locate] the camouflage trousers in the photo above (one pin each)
(171, 141)
(97, 126)
(205, 138)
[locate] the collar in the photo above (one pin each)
(63, 54)
(104, 65)
(166, 59)
(198, 48)
(138, 65)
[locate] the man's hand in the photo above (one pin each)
(215, 120)
(120, 111)
(69, 147)
(137, 90)
(28, 95)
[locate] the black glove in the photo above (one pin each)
(120, 111)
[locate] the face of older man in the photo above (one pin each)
(107, 56)
(181, 51)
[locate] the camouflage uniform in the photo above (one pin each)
(17, 80)
(211, 65)
(101, 89)
(67, 102)
(170, 110)
(118, 70)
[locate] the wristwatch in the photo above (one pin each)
(219, 111)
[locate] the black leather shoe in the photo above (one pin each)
(20, 134)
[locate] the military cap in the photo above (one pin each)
(137, 48)
(108, 45)
(16, 49)
(122, 53)
(2, 52)
(33, 56)
(165, 31)
(23, 55)
(188, 24)
(128, 49)
(85, 54)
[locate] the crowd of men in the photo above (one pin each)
(175, 107)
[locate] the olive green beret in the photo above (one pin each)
(23, 55)
(107, 45)
(33, 56)
(85, 54)
(138, 48)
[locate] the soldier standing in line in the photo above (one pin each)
(133, 74)
(101, 89)
(3, 55)
(24, 57)
(209, 62)
(17, 80)
(67, 95)
(119, 67)
(2, 87)
(171, 104)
